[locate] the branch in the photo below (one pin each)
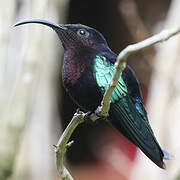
(105, 104)
(63, 144)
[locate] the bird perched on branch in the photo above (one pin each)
(87, 69)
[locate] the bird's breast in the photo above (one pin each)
(79, 81)
(83, 89)
(72, 72)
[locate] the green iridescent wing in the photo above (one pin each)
(124, 114)
(103, 73)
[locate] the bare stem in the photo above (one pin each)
(105, 104)
(63, 144)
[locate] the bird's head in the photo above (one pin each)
(74, 35)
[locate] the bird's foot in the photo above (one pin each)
(98, 113)
(87, 116)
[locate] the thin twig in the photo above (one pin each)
(63, 144)
(105, 104)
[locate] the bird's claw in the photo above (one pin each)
(87, 116)
(97, 112)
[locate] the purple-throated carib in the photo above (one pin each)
(88, 67)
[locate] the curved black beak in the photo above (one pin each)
(44, 22)
(65, 35)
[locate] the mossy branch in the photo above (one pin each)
(105, 104)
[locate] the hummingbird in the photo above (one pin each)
(88, 68)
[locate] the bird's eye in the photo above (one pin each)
(83, 33)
